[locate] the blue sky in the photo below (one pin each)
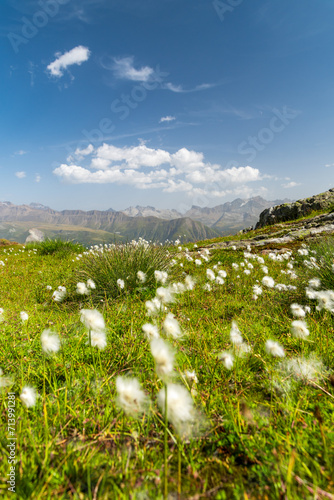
(170, 103)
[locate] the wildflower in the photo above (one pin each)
(28, 396)
(92, 319)
(171, 327)
(198, 262)
(24, 316)
(207, 287)
(141, 276)
(235, 266)
(265, 269)
(120, 283)
(219, 280)
(1, 314)
(315, 283)
(48, 287)
(178, 288)
(91, 284)
(299, 329)
(297, 311)
(191, 376)
(303, 369)
(235, 334)
(210, 274)
(131, 398)
(4, 381)
(242, 349)
(163, 357)
(275, 349)
(151, 331)
(59, 294)
(98, 339)
(50, 342)
(227, 358)
(82, 289)
(180, 411)
(189, 283)
(247, 271)
(222, 273)
(267, 281)
(161, 276)
(165, 295)
(257, 290)
(153, 306)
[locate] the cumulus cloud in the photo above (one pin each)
(78, 55)
(148, 168)
(167, 119)
(38, 178)
(20, 175)
(291, 184)
(179, 89)
(124, 69)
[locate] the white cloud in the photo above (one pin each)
(147, 168)
(38, 178)
(167, 119)
(291, 184)
(180, 89)
(20, 175)
(78, 55)
(329, 165)
(125, 69)
(84, 152)
(20, 152)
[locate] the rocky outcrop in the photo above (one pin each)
(296, 210)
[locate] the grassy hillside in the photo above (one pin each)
(255, 422)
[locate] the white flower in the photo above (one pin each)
(163, 357)
(24, 316)
(92, 319)
(220, 280)
(235, 334)
(131, 398)
(227, 358)
(91, 284)
(275, 349)
(303, 369)
(141, 276)
(315, 283)
(297, 311)
(235, 266)
(267, 281)
(165, 295)
(242, 349)
(1, 314)
(171, 327)
(257, 290)
(189, 283)
(50, 342)
(222, 273)
(98, 339)
(59, 294)
(207, 287)
(28, 396)
(151, 331)
(178, 287)
(198, 262)
(210, 274)
(299, 329)
(180, 411)
(153, 306)
(48, 287)
(82, 289)
(265, 269)
(161, 276)
(247, 271)
(120, 283)
(4, 381)
(191, 376)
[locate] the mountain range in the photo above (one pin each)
(19, 222)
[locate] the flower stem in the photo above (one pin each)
(166, 449)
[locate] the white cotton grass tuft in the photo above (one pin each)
(59, 294)
(191, 375)
(4, 381)
(92, 319)
(90, 284)
(151, 331)
(161, 276)
(257, 291)
(227, 359)
(268, 281)
(299, 329)
(1, 314)
(297, 311)
(275, 349)
(235, 334)
(222, 273)
(120, 283)
(24, 316)
(171, 327)
(189, 283)
(50, 342)
(198, 262)
(28, 396)
(210, 274)
(154, 307)
(304, 369)
(82, 289)
(141, 276)
(165, 294)
(163, 356)
(180, 408)
(315, 283)
(207, 287)
(98, 339)
(130, 397)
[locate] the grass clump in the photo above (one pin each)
(55, 246)
(123, 269)
(324, 269)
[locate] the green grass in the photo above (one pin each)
(75, 443)
(56, 246)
